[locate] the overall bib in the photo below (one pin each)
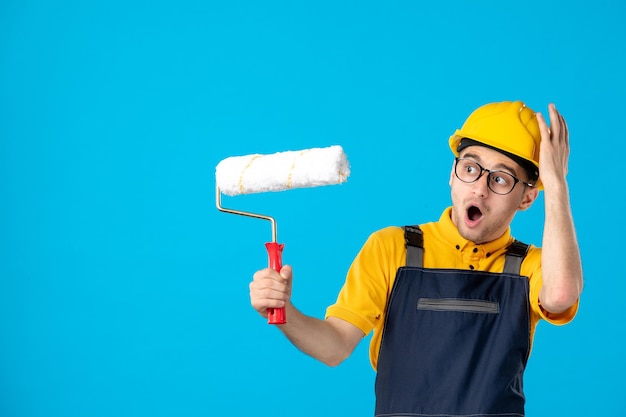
(455, 342)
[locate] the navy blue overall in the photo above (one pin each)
(455, 342)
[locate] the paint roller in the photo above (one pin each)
(281, 171)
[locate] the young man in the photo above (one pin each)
(454, 303)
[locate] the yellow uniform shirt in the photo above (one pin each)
(363, 299)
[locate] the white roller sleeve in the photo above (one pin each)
(282, 171)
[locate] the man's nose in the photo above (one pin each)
(481, 185)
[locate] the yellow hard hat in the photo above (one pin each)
(508, 126)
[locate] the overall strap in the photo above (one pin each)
(515, 254)
(414, 246)
(414, 240)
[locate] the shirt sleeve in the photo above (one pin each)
(363, 297)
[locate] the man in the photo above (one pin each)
(454, 303)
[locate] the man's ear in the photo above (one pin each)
(529, 197)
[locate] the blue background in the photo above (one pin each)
(124, 292)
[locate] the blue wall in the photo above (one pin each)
(124, 292)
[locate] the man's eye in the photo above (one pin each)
(501, 179)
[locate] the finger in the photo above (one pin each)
(262, 304)
(555, 122)
(267, 304)
(543, 127)
(286, 272)
(268, 298)
(564, 130)
(265, 285)
(267, 294)
(266, 273)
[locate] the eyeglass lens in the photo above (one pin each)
(499, 182)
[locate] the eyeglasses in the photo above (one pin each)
(499, 182)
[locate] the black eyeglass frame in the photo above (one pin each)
(489, 171)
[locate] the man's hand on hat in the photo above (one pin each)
(554, 151)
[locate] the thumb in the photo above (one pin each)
(286, 272)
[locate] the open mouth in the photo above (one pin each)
(474, 213)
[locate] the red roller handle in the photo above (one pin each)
(275, 255)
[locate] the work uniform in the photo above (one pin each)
(425, 355)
